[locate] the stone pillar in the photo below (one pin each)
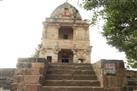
(74, 55)
(111, 74)
(55, 52)
(28, 74)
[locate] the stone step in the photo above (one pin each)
(70, 77)
(131, 88)
(132, 83)
(71, 88)
(72, 83)
(71, 66)
(69, 71)
(135, 87)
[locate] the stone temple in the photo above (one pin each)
(65, 36)
(64, 61)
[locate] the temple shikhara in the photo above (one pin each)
(63, 62)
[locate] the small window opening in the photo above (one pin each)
(81, 60)
(66, 9)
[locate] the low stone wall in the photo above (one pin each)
(6, 77)
(132, 79)
(131, 74)
(111, 74)
(1, 89)
(28, 74)
(98, 69)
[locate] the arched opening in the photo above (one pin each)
(65, 56)
(66, 32)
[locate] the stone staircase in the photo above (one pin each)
(132, 84)
(71, 77)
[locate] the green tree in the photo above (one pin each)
(37, 51)
(120, 28)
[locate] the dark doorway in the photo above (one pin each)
(65, 56)
(49, 59)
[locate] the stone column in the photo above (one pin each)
(74, 56)
(55, 52)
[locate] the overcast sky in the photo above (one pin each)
(21, 30)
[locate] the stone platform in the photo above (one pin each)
(36, 74)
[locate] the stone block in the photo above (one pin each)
(37, 65)
(24, 65)
(32, 87)
(19, 78)
(113, 89)
(32, 59)
(35, 71)
(14, 87)
(18, 72)
(31, 79)
(32, 71)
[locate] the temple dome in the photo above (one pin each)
(66, 10)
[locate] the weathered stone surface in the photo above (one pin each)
(118, 79)
(131, 73)
(31, 60)
(31, 79)
(19, 78)
(37, 65)
(28, 74)
(31, 71)
(113, 89)
(32, 87)
(75, 77)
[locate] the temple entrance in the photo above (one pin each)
(65, 56)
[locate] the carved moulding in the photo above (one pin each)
(56, 50)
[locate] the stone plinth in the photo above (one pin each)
(112, 74)
(28, 74)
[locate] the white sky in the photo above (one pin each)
(21, 30)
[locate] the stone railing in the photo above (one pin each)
(28, 73)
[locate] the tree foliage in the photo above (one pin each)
(120, 28)
(37, 52)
